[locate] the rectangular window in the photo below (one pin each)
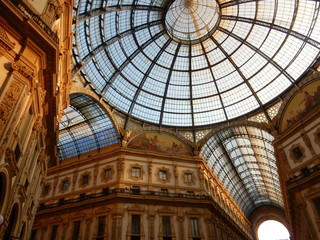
(166, 227)
(85, 179)
(163, 174)
(136, 172)
(101, 226)
(107, 173)
(76, 230)
(135, 227)
(194, 228)
(188, 177)
(54, 232)
(65, 184)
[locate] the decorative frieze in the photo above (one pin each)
(9, 101)
(5, 44)
(23, 69)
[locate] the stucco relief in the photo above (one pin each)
(9, 101)
(23, 69)
(5, 43)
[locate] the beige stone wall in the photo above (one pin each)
(118, 222)
(298, 154)
(22, 157)
(29, 107)
(184, 199)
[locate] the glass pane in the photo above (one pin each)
(194, 227)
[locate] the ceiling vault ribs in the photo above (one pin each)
(112, 40)
(214, 81)
(179, 73)
(145, 78)
(279, 28)
(115, 8)
(167, 82)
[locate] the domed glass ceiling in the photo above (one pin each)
(192, 63)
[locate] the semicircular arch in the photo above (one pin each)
(242, 157)
(84, 126)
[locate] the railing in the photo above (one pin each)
(305, 172)
(124, 191)
(27, 12)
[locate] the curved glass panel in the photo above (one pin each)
(84, 127)
(243, 159)
(191, 20)
(187, 70)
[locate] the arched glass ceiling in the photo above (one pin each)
(163, 62)
(84, 127)
(243, 160)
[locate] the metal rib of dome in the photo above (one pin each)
(133, 60)
(243, 159)
(84, 127)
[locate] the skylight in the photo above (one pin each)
(188, 63)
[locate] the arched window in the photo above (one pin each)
(84, 127)
(272, 230)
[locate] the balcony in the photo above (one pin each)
(124, 192)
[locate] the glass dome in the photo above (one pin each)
(190, 21)
(188, 63)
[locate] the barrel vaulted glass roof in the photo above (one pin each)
(84, 127)
(188, 63)
(243, 159)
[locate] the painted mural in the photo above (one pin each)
(305, 101)
(159, 142)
